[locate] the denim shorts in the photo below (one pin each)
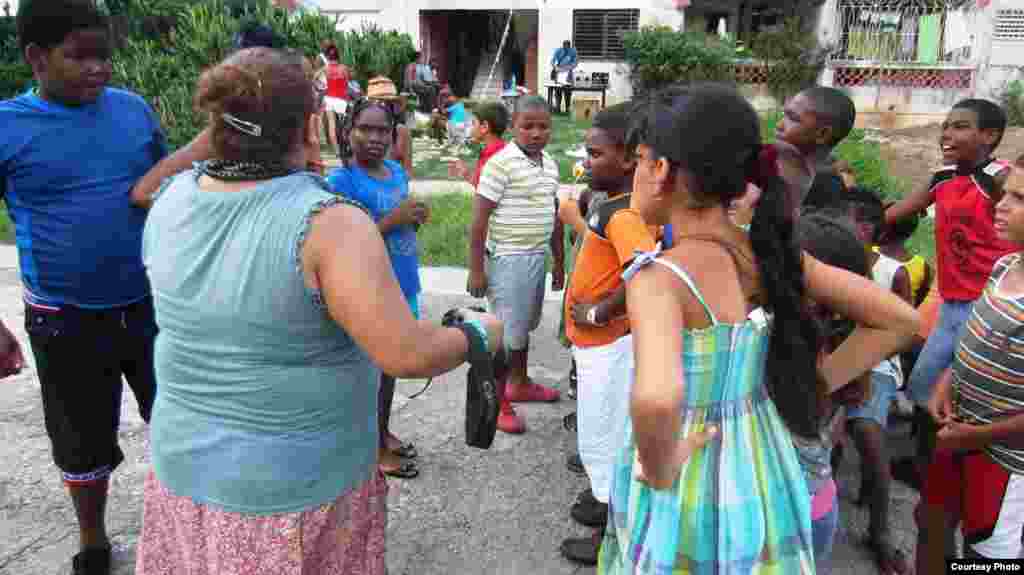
(515, 294)
(883, 390)
(938, 351)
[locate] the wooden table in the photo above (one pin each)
(569, 89)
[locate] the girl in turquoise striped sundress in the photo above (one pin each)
(726, 355)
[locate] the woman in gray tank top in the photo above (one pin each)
(277, 308)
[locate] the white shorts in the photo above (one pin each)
(605, 375)
(336, 105)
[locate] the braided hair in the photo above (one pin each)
(356, 107)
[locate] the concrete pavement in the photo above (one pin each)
(502, 511)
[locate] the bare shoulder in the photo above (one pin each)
(341, 220)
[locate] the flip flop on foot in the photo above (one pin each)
(405, 450)
(404, 470)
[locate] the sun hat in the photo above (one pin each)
(381, 88)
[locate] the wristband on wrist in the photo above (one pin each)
(476, 338)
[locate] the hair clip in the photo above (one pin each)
(241, 125)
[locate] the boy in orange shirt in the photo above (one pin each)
(602, 346)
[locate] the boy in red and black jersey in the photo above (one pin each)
(964, 193)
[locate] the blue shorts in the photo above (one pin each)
(937, 353)
(515, 294)
(883, 390)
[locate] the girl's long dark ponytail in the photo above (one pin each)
(792, 374)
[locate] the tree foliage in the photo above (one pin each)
(164, 45)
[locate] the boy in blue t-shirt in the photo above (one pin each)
(71, 152)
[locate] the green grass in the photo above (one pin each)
(6, 226)
(430, 161)
(444, 240)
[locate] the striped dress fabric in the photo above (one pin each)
(741, 504)
(988, 374)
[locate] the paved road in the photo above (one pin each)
(501, 511)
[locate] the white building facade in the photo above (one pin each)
(437, 28)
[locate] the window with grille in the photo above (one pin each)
(1009, 26)
(597, 34)
(892, 31)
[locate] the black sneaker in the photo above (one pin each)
(95, 561)
(574, 464)
(583, 550)
(572, 380)
(589, 511)
(569, 422)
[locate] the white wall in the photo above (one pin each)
(554, 27)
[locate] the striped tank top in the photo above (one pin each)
(988, 373)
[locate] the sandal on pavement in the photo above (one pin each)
(889, 559)
(575, 464)
(405, 450)
(509, 421)
(591, 513)
(905, 471)
(583, 550)
(407, 470)
(531, 392)
(95, 561)
(569, 422)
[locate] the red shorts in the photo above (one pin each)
(988, 500)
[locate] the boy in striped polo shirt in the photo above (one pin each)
(514, 217)
(977, 473)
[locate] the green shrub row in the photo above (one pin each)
(660, 55)
(1012, 100)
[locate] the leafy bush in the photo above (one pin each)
(164, 45)
(372, 51)
(15, 78)
(794, 57)
(9, 51)
(659, 56)
(1012, 100)
(15, 75)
